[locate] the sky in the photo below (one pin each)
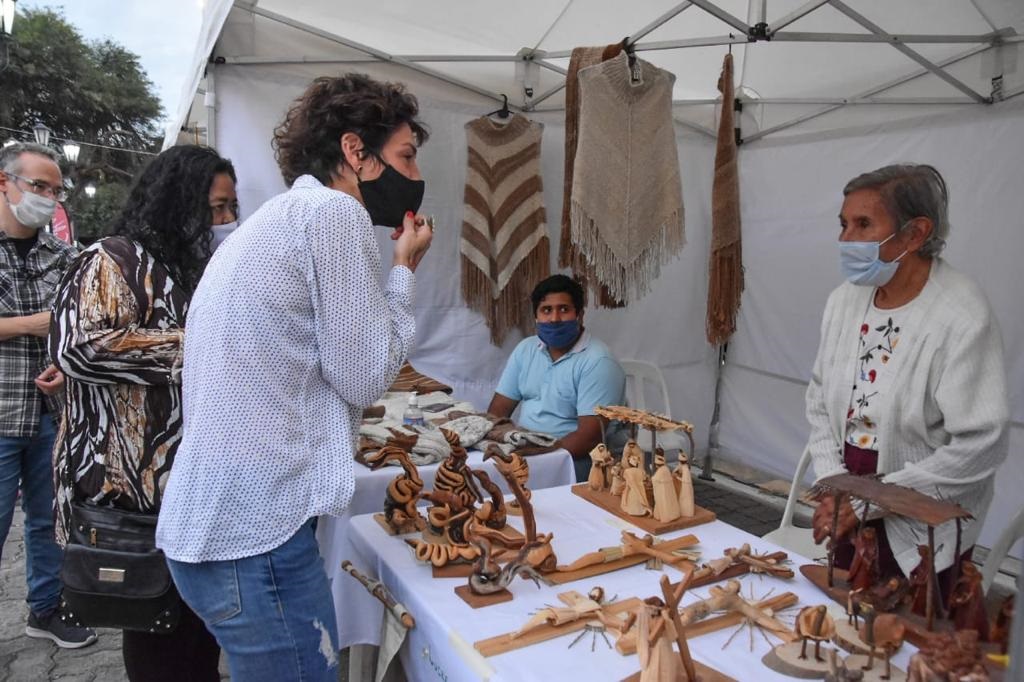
(162, 33)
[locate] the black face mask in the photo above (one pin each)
(389, 197)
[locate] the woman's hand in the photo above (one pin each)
(412, 240)
(822, 520)
(50, 381)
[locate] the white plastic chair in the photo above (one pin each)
(637, 372)
(788, 536)
(1013, 532)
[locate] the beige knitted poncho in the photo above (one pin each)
(504, 243)
(627, 198)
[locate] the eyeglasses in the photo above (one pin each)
(41, 188)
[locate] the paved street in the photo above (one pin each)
(23, 659)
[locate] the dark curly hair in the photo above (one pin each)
(168, 210)
(558, 284)
(308, 140)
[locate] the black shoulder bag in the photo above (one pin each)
(114, 575)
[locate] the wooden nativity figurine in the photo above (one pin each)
(967, 602)
(634, 495)
(864, 567)
(682, 473)
(813, 624)
(618, 482)
(600, 461)
(666, 500)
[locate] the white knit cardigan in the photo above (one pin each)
(944, 424)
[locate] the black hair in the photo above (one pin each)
(558, 284)
(309, 138)
(168, 210)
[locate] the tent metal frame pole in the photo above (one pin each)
(708, 466)
(710, 41)
(637, 35)
(893, 38)
(798, 13)
(867, 93)
(902, 101)
(210, 102)
(926, 63)
(719, 13)
(374, 52)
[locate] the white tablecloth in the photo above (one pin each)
(359, 614)
(441, 644)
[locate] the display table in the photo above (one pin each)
(359, 614)
(441, 644)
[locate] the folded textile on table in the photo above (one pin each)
(409, 380)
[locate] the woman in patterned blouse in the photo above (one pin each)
(117, 332)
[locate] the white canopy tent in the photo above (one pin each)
(840, 88)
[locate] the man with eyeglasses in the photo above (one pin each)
(32, 262)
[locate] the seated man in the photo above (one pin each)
(561, 374)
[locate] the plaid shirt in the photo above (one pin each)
(27, 287)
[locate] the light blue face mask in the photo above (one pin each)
(862, 265)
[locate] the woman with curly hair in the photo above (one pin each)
(291, 335)
(116, 333)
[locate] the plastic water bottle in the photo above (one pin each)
(413, 414)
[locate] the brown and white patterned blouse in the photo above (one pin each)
(117, 334)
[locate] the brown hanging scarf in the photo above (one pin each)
(725, 271)
(504, 245)
(568, 255)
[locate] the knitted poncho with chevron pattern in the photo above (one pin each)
(504, 243)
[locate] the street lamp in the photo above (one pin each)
(71, 152)
(90, 190)
(41, 132)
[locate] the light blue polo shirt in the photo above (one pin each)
(552, 395)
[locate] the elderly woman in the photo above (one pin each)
(909, 380)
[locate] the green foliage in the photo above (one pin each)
(84, 91)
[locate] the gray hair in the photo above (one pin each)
(909, 191)
(10, 156)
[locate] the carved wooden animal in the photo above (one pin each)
(815, 625)
(600, 460)
(666, 500)
(489, 577)
(881, 631)
(864, 568)
(512, 465)
(967, 602)
(542, 555)
(402, 493)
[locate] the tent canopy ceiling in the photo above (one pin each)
(825, 58)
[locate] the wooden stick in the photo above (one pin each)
(933, 579)
(832, 537)
(377, 589)
(672, 599)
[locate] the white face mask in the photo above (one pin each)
(33, 211)
(221, 232)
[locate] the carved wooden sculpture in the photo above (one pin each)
(658, 660)
(511, 465)
(600, 460)
(920, 576)
(864, 568)
(577, 607)
(403, 492)
(492, 512)
(815, 625)
(666, 500)
(618, 484)
(634, 496)
(632, 452)
(967, 602)
(489, 577)
(541, 555)
(453, 476)
(948, 656)
(758, 564)
(883, 632)
(682, 472)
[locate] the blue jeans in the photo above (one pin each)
(30, 460)
(272, 614)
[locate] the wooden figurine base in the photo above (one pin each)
(452, 571)
(610, 503)
(382, 520)
(785, 660)
(477, 601)
(562, 577)
(819, 576)
(858, 661)
(704, 674)
(502, 644)
(849, 639)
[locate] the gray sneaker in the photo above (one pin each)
(54, 627)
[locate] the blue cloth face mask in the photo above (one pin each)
(558, 335)
(862, 265)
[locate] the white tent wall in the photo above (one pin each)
(791, 193)
(791, 196)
